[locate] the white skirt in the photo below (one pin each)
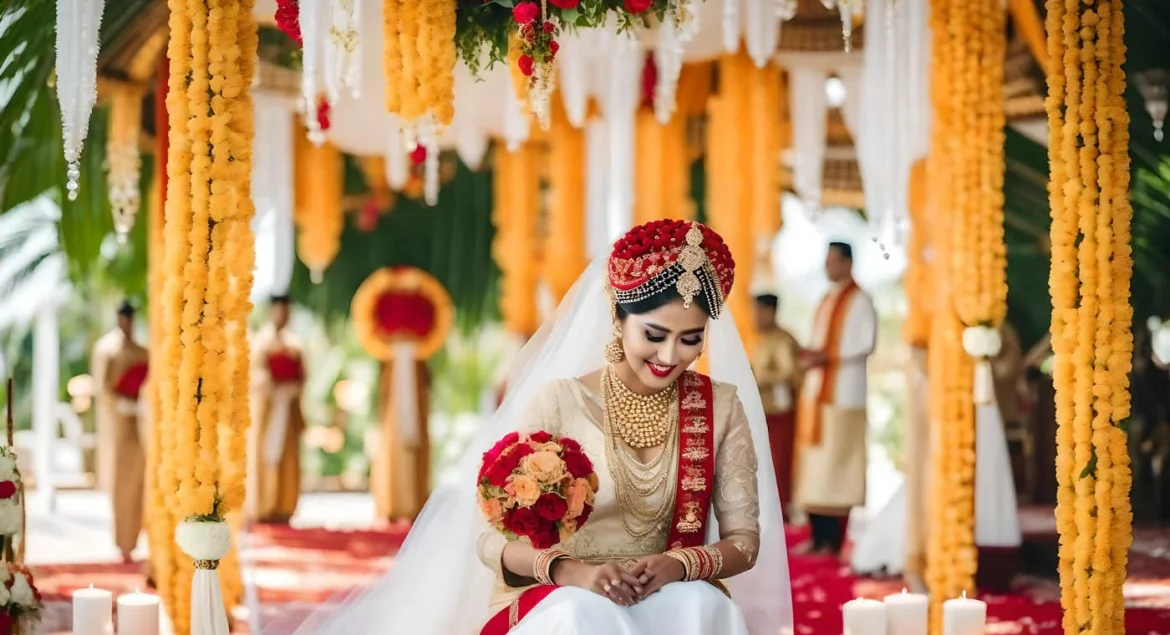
(681, 608)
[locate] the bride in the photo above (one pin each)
(684, 538)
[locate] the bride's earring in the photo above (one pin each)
(614, 354)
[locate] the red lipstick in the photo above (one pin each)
(659, 370)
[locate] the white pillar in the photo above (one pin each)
(45, 390)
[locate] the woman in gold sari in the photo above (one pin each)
(684, 537)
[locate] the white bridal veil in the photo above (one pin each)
(438, 585)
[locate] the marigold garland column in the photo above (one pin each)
(318, 212)
(1092, 267)
(210, 252)
(564, 246)
(515, 213)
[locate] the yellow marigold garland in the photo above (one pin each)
(564, 245)
(916, 329)
(951, 557)
(1091, 315)
(729, 171)
(318, 213)
(515, 213)
(205, 298)
(419, 58)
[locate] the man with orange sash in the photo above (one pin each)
(831, 418)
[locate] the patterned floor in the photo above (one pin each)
(296, 569)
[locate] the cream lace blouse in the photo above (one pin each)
(561, 409)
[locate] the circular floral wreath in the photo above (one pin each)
(402, 304)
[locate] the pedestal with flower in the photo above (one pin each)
(402, 316)
(20, 601)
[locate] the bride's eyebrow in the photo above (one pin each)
(663, 329)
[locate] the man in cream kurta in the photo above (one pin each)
(831, 418)
(119, 366)
(274, 440)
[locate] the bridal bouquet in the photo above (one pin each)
(536, 487)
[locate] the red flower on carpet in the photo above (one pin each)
(130, 383)
(285, 367)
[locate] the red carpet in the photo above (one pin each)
(293, 570)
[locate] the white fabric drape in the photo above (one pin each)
(997, 519)
(273, 183)
(809, 107)
(406, 406)
(314, 22)
(342, 54)
(596, 188)
(691, 608)
(78, 23)
(45, 388)
(619, 106)
(888, 105)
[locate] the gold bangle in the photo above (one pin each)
(699, 563)
(542, 564)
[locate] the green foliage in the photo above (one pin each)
(451, 241)
(485, 25)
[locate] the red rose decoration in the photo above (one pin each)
(545, 537)
(130, 383)
(525, 64)
(288, 19)
(551, 507)
(7, 490)
(540, 437)
(522, 520)
(570, 445)
(419, 154)
(565, 4)
(323, 113)
(553, 47)
(525, 12)
(496, 450)
(6, 621)
(638, 6)
(577, 463)
(408, 314)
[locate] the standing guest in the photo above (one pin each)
(274, 440)
(831, 417)
(119, 366)
(776, 365)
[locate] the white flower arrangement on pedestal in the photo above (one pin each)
(982, 343)
(207, 540)
(20, 601)
(11, 498)
(1160, 340)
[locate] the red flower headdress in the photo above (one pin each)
(652, 257)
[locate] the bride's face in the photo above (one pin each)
(663, 343)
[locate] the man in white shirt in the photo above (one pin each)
(831, 418)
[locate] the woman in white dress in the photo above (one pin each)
(684, 537)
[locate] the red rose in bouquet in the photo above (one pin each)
(130, 383)
(284, 367)
(536, 487)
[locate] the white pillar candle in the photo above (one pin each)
(964, 616)
(92, 611)
(864, 617)
(906, 613)
(138, 614)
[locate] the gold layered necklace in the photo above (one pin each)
(642, 421)
(635, 421)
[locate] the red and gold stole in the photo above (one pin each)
(692, 498)
(808, 415)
